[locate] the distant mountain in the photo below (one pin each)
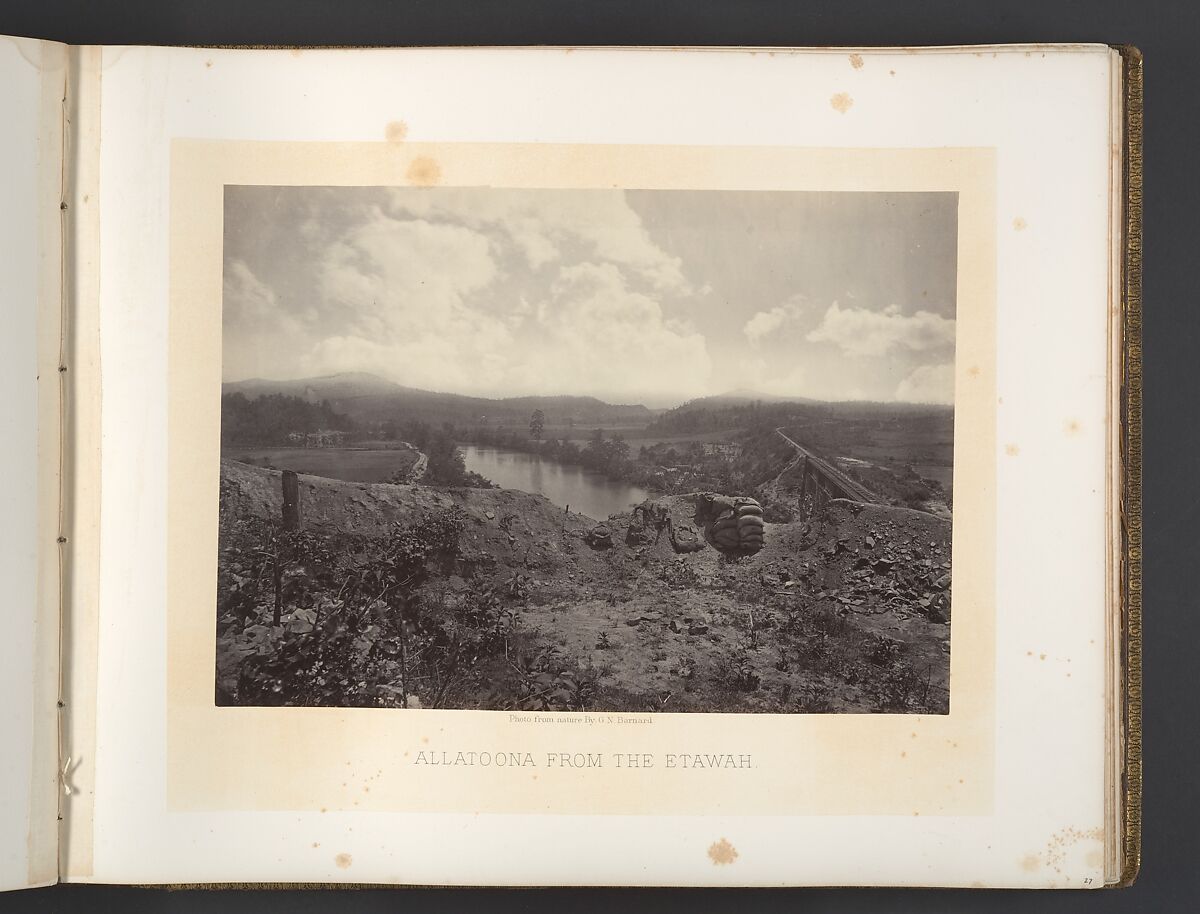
(745, 408)
(744, 397)
(370, 398)
(741, 397)
(348, 385)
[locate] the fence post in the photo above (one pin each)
(291, 500)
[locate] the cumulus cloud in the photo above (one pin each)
(394, 275)
(861, 332)
(631, 296)
(767, 323)
(247, 301)
(596, 334)
(928, 384)
(417, 300)
(756, 376)
(540, 224)
(402, 297)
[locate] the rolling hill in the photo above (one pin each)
(370, 398)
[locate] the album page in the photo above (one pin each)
(33, 74)
(602, 467)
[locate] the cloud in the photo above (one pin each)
(928, 384)
(754, 375)
(247, 301)
(768, 323)
(419, 300)
(541, 224)
(389, 276)
(595, 335)
(400, 297)
(861, 332)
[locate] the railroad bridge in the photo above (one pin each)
(822, 481)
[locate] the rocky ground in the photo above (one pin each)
(846, 610)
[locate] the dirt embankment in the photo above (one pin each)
(845, 611)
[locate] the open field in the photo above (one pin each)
(925, 443)
(376, 461)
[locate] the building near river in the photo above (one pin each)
(322, 438)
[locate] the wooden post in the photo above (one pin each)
(291, 501)
(291, 521)
(805, 476)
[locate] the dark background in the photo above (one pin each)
(1167, 33)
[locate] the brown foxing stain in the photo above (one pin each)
(343, 861)
(1072, 427)
(208, 64)
(1041, 656)
(722, 853)
(424, 172)
(1020, 224)
(1062, 841)
(395, 131)
(1012, 450)
(316, 844)
(856, 61)
(1030, 863)
(973, 371)
(891, 72)
(841, 102)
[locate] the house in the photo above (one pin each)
(324, 438)
(726, 450)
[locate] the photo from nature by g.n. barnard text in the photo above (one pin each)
(615, 450)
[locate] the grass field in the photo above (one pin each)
(357, 464)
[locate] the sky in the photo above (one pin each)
(631, 296)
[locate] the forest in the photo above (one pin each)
(269, 419)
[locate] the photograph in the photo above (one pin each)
(617, 450)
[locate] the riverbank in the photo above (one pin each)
(566, 485)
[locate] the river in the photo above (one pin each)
(565, 484)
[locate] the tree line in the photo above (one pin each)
(269, 419)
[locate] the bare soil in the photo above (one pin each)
(843, 611)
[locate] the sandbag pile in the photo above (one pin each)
(685, 538)
(731, 524)
(600, 537)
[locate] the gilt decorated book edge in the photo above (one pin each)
(1131, 463)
